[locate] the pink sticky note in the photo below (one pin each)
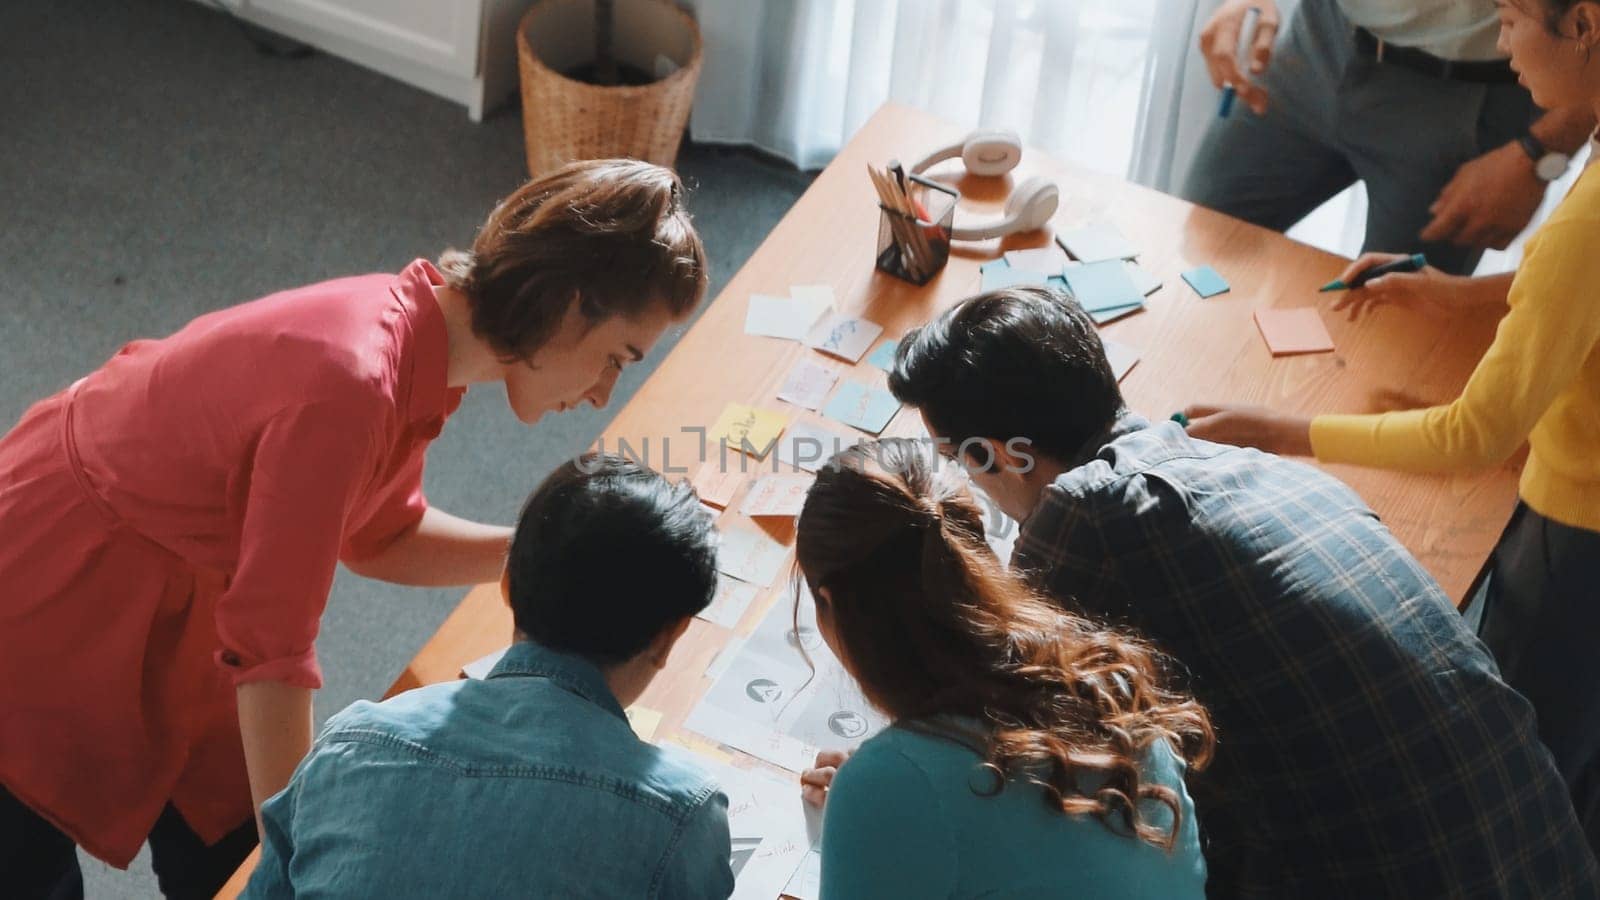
(1290, 331)
(717, 485)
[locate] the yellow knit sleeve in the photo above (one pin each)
(1540, 347)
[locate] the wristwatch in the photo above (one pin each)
(1548, 165)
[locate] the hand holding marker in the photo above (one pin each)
(1416, 262)
(1247, 34)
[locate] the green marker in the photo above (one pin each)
(1181, 419)
(1416, 262)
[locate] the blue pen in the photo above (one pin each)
(1247, 36)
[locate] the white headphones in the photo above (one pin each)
(1030, 205)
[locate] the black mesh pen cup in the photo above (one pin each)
(915, 248)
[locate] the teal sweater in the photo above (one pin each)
(902, 820)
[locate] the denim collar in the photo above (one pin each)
(1124, 424)
(526, 659)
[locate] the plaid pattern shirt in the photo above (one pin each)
(1366, 744)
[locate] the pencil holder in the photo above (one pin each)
(915, 248)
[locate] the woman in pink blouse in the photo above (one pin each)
(169, 524)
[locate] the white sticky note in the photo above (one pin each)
(483, 665)
(1093, 243)
(780, 317)
(1143, 279)
(808, 384)
(1048, 260)
(809, 445)
(1122, 357)
(846, 337)
(776, 495)
(750, 556)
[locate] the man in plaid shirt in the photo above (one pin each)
(1367, 746)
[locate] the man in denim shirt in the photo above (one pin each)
(1366, 744)
(529, 783)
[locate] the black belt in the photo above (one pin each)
(1494, 72)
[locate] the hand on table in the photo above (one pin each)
(1250, 426)
(1428, 291)
(1219, 44)
(814, 782)
(1488, 202)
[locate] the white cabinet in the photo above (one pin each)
(464, 50)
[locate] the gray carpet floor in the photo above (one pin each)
(154, 167)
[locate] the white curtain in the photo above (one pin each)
(1115, 85)
(1074, 77)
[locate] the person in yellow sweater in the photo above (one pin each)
(1539, 382)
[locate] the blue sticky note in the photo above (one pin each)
(995, 279)
(1058, 283)
(1102, 285)
(1001, 263)
(1103, 316)
(1206, 282)
(859, 406)
(883, 357)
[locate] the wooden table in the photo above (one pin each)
(1192, 350)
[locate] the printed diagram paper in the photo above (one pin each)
(783, 696)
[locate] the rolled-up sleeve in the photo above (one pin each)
(307, 470)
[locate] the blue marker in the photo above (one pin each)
(1241, 55)
(1416, 262)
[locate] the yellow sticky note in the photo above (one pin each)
(747, 429)
(702, 747)
(644, 720)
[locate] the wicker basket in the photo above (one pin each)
(564, 120)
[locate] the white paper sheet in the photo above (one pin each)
(807, 881)
(483, 665)
(768, 825)
(783, 696)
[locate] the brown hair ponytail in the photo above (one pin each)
(936, 629)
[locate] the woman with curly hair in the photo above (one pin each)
(1031, 751)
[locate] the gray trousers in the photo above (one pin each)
(1541, 620)
(1334, 117)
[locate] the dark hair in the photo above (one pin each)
(1022, 362)
(936, 629)
(611, 234)
(606, 554)
(1550, 12)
